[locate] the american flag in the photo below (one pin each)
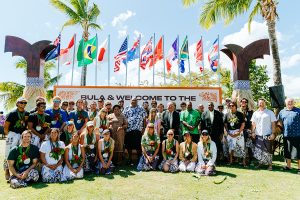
(213, 55)
(147, 54)
(122, 54)
(57, 40)
(199, 55)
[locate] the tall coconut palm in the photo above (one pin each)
(215, 10)
(79, 13)
(11, 91)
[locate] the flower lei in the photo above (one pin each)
(169, 148)
(68, 137)
(80, 115)
(41, 120)
(23, 155)
(233, 119)
(152, 142)
(75, 157)
(188, 154)
(106, 146)
(57, 115)
(206, 149)
(93, 115)
(21, 121)
(56, 151)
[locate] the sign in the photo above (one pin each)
(197, 95)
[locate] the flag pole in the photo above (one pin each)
(96, 68)
(202, 73)
(73, 63)
(187, 41)
(108, 62)
(153, 59)
(139, 67)
(164, 59)
(178, 60)
(219, 67)
(126, 62)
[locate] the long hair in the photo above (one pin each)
(208, 139)
(57, 130)
(147, 128)
(150, 117)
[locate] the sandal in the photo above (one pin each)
(286, 168)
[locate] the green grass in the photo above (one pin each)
(129, 184)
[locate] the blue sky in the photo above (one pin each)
(35, 20)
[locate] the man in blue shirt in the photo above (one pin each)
(79, 116)
(289, 121)
(58, 116)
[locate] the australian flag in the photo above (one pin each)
(54, 53)
(133, 53)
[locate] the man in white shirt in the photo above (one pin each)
(263, 128)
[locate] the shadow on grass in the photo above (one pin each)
(221, 173)
(39, 185)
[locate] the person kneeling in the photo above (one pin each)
(150, 147)
(170, 151)
(22, 161)
(51, 153)
(74, 159)
(207, 155)
(188, 154)
(106, 147)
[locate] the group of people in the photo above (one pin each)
(68, 139)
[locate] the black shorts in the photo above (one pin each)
(291, 147)
(133, 140)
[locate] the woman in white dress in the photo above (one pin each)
(74, 160)
(51, 154)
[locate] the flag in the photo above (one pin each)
(54, 53)
(87, 51)
(199, 55)
(184, 54)
(122, 54)
(213, 56)
(102, 55)
(146, 55)
(172, 55)
(133, 53)
(158, 52)
(66, 54)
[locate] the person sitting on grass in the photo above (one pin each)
(170, 151)
(22, 161)
(207, 155)
(89, 139)
(150, 146)
(106, 147)
(187, 153)
(74, 159)
(51, 154)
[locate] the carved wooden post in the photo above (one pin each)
(35, 57)
(241, 58)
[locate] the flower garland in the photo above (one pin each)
(188, 154)
(207, 151)
(41, 120)
(22, 156)
(170, 148)
(76, 159)
(21, 121)
(56, 152)
(57, 116)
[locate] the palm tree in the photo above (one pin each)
(215, 10)
(11, 91)
(81, 14)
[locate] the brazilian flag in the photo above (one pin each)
(87, 51)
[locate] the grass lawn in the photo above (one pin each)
(129, 184)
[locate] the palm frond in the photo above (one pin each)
(94, 26)
(80, 7)
(93, 13)
(187, 3)
(65, 9)
(49, 95)
(9, 93)
(52, 81)
(255, 11)
(70, 22)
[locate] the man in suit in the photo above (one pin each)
(170, 120)
(212, 121)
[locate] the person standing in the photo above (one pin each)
(190, 120)
(2, 120)
(263, 129)
(14, 126)
(212, 121)
(100, 104)
(170, 121)
(135, 116)
(289, 121)
(58, 116)
(79, 116)
(71, 107)
(93, 111)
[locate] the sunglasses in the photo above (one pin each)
(23, 102)
(56, 101)
(65, 104)
(72, 104)
(108, 104)
(42, 106)
(170, 134)
(150, 127)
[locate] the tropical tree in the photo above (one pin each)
(79, 13)
(11, 91)
(215, 10)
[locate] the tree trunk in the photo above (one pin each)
(83, 76)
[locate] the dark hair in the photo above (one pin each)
(182, 104)
(233, 103)
(244, 99)
(116, 106)
(40, 103)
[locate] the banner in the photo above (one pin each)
(197, 95)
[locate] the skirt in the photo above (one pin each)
(262, 150)
(69, 175)
(190, 167)
(209, 171)
(145, 165)
(237, 145)
(291, 148)
(89, 163)
(106, 171)
(52, 176)
(119, 137)
(173, 166)
(33, 176)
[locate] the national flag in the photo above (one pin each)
(87, 51)
(158, 52)
(213, 55)
(122, 54)
(147, 55)
(102, 55)
(199, 55)
(172, 55)
(133, 53)
(54, 53)
(184, 54)
(66, 54)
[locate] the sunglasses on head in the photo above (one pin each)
(56, 101)
(23, 102)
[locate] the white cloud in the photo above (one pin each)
(291, 61)
(118, 22)
(137, 34)
(68, 76)
(291, 85)
(122, 33)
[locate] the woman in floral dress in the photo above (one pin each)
(51, 154)
(170, 149)
(150, 147)
(105, 152)
(74, 160)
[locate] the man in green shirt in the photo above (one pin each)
(190, 119)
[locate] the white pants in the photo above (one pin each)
(189, 167)
(12, 140)
(69, 175)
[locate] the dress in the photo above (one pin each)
(67, 173)
(118, 136)
(170, 153)
(106, 151)
(48, 148)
